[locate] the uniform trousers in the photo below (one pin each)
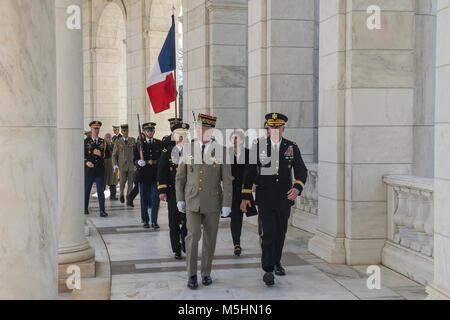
(237, 218)
(177, 224)
(149, 198)
(210, 222)
(99, 183)
(273, 225)
(126, 176)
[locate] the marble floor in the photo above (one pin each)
(143, 267)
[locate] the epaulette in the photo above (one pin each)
(294, 143)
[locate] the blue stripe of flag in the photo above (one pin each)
(167, 60)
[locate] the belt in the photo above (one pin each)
(150, 162)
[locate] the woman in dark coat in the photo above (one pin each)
(240, 156)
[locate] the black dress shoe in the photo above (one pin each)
(103, 214)
(155, 226)
(146, 225)
(192, 283)
(86, 212)
(207, 281)
(183, 248)
(237, 250)
(178, 256)
(114, 198)
(122, 199)
(279, 270)
(269, 279)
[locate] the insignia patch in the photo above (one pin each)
(289, 152)
(165, 150)
(274, 116)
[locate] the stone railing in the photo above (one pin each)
(306, 208)
(410, 226)
(308, 201)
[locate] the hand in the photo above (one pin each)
(254, 188)
(233, 178)
(116, 168)
(163, 197)
(141, 163)
(90, 164)
(181, 205)
(244, 205)
(226, 211)
(97, 152)
(293, 194)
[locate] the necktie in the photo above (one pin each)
(203, 151)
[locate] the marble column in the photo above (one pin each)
(281, 39)
(366, 125)
(440, 287)
(73, 246)
(215, 60)
(28, 214)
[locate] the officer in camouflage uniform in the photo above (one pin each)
(275, 190)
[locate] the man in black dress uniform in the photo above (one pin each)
(275, 190)
(168, 141)
(167, 170)
(147, 171)
(94, 164)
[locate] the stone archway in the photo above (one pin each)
(110, 71)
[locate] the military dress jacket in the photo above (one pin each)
(152, 153)
(167, 169)
(274, 180)
(115, 138)
(98, 161)
(123, 154)
(168, 142)
(199, 185)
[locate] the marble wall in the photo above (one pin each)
(215, 60)
(28, 214)
(366, 124)
(440, 288)
(281, 52)
(147, 24)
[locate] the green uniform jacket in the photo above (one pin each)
(123, 155)
(200, 185)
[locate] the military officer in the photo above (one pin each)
(123, 161)
(168, 141)
(147, 163)
(275, 190)
(94, 163)
(167, 170)
(117, 135)
(199, 193)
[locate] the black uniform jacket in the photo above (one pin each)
(237, 172)
(167, 170)
(152, 153)
(273, 181)
(89, 156)
(167, 142)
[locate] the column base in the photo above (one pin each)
(364, 251)
(83, 258)
(328, 248)
(436, 293)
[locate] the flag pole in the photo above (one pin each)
(176, 62)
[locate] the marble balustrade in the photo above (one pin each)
(306, 207)
(410, 218)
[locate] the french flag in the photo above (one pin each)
(160, 82)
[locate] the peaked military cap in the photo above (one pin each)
(96, 124)
(124, 126)
(181, 128)
(207, 121)
(174, 121)
(149, 126)
(276, 119)
(115, 127)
